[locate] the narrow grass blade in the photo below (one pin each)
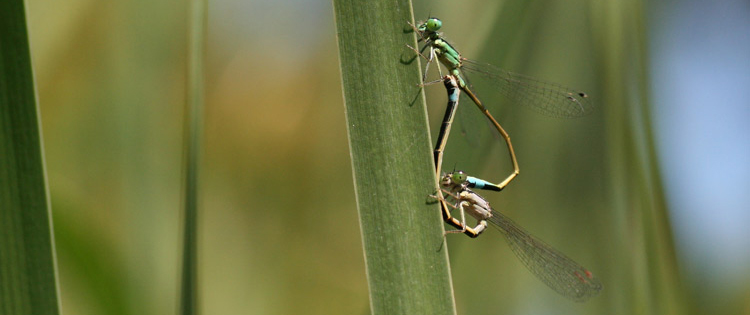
(193, 128)
(28, 282)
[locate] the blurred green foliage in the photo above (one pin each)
(279, 232)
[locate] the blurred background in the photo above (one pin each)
(650, 192)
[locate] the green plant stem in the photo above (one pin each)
(192, 134)
(28, 283)
(402, 231)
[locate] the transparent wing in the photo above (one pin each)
(559, 272)
(549, 99)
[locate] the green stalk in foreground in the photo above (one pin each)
(402, 231)
(192, 145)
(28, 284)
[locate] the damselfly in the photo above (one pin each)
(547, 98)
(556, 270)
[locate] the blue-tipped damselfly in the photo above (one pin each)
(554, 268)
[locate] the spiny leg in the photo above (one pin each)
(445, 207)
(461, 225)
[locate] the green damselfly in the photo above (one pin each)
(547, 98)
(556, 270)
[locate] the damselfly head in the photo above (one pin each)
(453, 179)
(431, 25)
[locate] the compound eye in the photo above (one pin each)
(459, 177)
(433, 24)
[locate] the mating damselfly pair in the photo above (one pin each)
(559, 272)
